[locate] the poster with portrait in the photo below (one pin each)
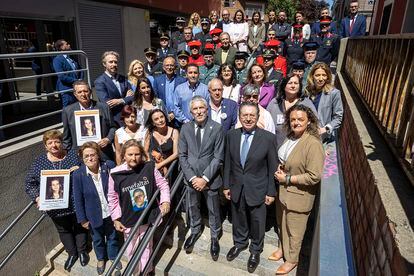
(54, 189)
(139, 199)
(88, 127)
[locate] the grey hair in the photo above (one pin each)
(250, 89)
(107, 53)
(213, 80)
(198, 99)
(224, 33)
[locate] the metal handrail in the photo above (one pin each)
(39, 55)
(150, 232)
(16, 220)
(17, 246)
(138, 224)
(163, 235)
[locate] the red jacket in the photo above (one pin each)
(197, 60)
(280, 63)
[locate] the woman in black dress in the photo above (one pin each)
(161, 141)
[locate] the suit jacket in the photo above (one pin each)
(106, 90)
(281, 29)
(330, 111)
(206, 161)
(65, 81)
(108, 126)
(358, 29)
(183, 46)
(230, 56)
(87, 202)
(256, 40)
(230, 108)
(155, 70)
(161, 56)
(316, 28)
(305, 162)
(257, 176)
(159, 88)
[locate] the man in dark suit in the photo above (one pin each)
(250, 162)
(201, 153)
(355, 24)
(113, 88)
(221, 110)
(281, 26)
(165, 85)
(188, 36)
(63, 63)
(226, 53)
(82, 93)
(165, 51)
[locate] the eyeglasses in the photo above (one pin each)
(90, 156)
(255, 96)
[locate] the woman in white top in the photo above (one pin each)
(300, 19)
(231, 89)
(239, 31)
(213, 19)
(145, 100)
(130, 130)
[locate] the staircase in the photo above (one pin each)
(173, 260)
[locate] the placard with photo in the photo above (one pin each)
(54, 189)
(88, 127)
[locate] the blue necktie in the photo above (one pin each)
(244, 149)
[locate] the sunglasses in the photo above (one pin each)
(246, 97)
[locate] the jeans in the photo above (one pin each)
(105, 240)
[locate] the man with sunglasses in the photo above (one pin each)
(273, 76)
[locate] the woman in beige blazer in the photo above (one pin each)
(299, 175)
(257, 32)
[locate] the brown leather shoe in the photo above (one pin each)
(285, 268)
(276, 255)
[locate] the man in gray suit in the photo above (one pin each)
(201, 153)
(82, 93)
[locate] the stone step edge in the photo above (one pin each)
(50, 258)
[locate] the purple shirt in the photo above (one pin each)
(267, 93)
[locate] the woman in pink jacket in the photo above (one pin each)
(131, 186)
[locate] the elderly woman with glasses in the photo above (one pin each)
(250, 93)
(90, 188)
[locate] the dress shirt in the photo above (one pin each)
(224, 55)
(88, 108)
(215, 114)
(169, 93)
(99, 188)
(115, 81)
(250, 139)
(202, 135)
(182, 96)
(226, 26)
(71, 62)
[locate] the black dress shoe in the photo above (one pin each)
(84, 258)
(234, 252)
(70, 262)
(189, 243)
(253, 262)
(214, 249)
(100, 269)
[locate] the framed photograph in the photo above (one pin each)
(139, 199)
(88, 127)
(54, 189)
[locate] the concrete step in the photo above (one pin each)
(201, 249)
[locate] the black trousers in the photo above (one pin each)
(73, 236)
(248, 221)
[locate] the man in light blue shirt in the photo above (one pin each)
(186, 91)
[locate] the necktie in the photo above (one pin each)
(198, 137)
(352, 25)
(244, 149)
(117, 84)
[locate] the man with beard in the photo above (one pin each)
(209, 70)
(113, 88)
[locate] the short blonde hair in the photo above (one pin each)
(131, 76)
(52, 134)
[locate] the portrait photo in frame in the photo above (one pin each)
(54, 189)
(88, 127)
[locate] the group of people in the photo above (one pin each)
(247, 120)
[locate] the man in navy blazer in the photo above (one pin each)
(221, 110)
(355, 24)
(113, 88)
(63, 63)
(165, 84)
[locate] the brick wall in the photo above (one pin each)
(373, 234)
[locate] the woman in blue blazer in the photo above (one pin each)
(90, 188)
